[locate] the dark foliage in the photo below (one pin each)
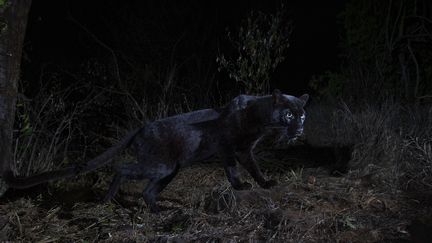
(387, 50)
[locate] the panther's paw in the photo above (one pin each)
(268, 184)
(243, 186)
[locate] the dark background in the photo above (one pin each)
(199, 27)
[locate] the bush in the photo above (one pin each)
(259, 47)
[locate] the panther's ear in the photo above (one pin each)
(276, 96)
(304, 98)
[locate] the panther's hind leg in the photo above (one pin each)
(114, 187)
(156, 185)
(126, 171)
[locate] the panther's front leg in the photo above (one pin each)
(247, 160)
(232, 173)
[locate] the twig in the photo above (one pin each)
(101, 43)
(311, 228)
(424, 97)
(417, 69)
(19, 224)
(95, 223)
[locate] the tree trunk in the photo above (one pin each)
(13, 21)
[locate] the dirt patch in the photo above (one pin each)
(307, 206)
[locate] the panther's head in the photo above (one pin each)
(288, 113)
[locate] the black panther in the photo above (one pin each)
(164, 146)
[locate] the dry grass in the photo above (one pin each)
(307, 206)
(391, 142)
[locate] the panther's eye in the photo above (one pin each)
(289, 115)
(303, 117)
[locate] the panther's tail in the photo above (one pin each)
(99, 161)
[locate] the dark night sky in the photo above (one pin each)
(53, 38)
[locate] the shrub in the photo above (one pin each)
(260, 45)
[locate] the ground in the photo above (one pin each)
(308, 205)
